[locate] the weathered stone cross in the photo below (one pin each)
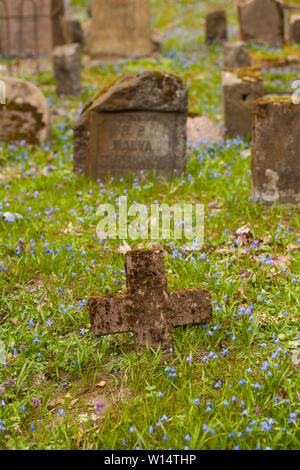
(148, 310)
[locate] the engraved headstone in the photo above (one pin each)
(148, 309)
(35, 26)
(139, 123)
(25, 114)
(294, 28)
(216, 25)
(261, 21)
(240, 88)
(67, 69)
(119, 28)
(275, 154)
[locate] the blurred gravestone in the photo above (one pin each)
(119, 28)
(139, 123)
(216, 25)
(25, 114)
(35, 26)
(261, 21)
(294, 28)
(67, 69)
(236, 55)
(240, 88)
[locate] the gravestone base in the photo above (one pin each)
(275, 154)
(240, 88)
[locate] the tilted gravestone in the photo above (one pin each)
(148, 310)
(139, 123)
(34, 25)
(119, 28)
(261, 21)
(276, 151)
(236, 55)
(67, 69)
(294, 28)
(216, 25)
(240, 88)
(25, 114)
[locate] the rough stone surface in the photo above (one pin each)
(294, 28)
(216, 25)
(26, 114)
(148, 310)
(72, 31)
(119, 28)
(276, 151)
(236, 55)
(49, 30)
(261, 21)
(67, 69)
(139, 123)
(240, 88)
(201, 128)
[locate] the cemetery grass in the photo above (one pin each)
(230, 384)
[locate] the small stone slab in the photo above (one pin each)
(67, 69)
(148, 310)
(261, 21)
(275, 154)
(216, 25)
(139, 123)
(26, 113)
(236, 55)
(240, 88)
(202, 129)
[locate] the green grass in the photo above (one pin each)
(51, 262)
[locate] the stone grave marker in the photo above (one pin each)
(33, 29)
(67, 69)
(236, 55)
(294, 28)
(72, 31)
(148, 310)
(25, 114)
(276, 151)
(139, 123)
(240, 88)
(261, 21)
(119, 29)
(216, 25)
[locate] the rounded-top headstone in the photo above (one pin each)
(25, 114)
